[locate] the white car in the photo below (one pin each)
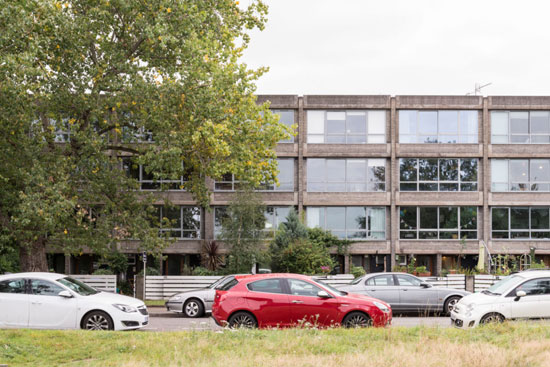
(57, 301)
(524, 295)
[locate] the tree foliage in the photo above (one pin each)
(243, 229)
(83, 82)
(304, 257)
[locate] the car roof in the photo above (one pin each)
(39, 275)
(530, 274)
(251, 277)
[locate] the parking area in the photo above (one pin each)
(161, 320)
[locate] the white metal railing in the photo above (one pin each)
(106, 283)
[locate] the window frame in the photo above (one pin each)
(368, 231)
(438, 229)
(438, 182)
(511, 230)
(347, 183)
(511, 184)
(277, 112)
(181, 228)
(509, 135)
(369, 138)
(462, 138)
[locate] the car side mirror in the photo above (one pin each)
(519, 294)
(323, 294)
(65, 294)
(425, 285)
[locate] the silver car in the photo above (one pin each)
(405, 292)
(196, 302)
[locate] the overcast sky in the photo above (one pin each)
(403, 47)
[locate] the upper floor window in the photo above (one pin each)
(443, 126)
(147, 180)
(230, 182)
(444, 223)
(531, 223)
(179, 221)
(351, 222)
(520, 127)
(346, 127)
(274, 216)
(286, 117)
(434, 174)
(520, 175)
(346, 175)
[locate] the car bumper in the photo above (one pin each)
(174, 306)
(462, 321)
(131, 321)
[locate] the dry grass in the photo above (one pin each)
(510, 344)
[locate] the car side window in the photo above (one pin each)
(302, 288)
(407, 280)
(44, 288)
(267, 286)
(535, 287)
(12, 286)
(384, 280)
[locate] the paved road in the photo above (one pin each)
(161, 320)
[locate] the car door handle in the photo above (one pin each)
(296, 301)
(404, 290)
(36, 303)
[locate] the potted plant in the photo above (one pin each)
(422, 271)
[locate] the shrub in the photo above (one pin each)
(357, 271)
(304, 257)
(103, 272)
(202, 271)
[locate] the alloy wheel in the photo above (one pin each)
(358, 320)
(97, 322)
(242, 320)
(191, 309)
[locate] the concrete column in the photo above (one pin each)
(302, 139)
(438, 265)
(67, 264)
(485, 177)
(393, 233)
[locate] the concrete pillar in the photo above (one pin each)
(470, 283)
(393, 233)
(302, 134)
(438, 265)
(67, 264)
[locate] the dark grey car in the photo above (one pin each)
(405, 292)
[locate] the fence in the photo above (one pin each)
(457, 281)
(106, 283)
(482, 282)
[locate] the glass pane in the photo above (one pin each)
(468, 170)
(286, 174)
(469, 139)
(519, 139)
(336, 170)
(407, 123)
(428, 217)
(315, 217)
(540, 170)
(356, 217)
(356, 139)
(377, 139)
(519, 122)
(499, 139)
(191, 218)
(427, 235)
(285, 116)
(407, 217)
(336, 217)
(336, 187)
(448, 122)
(376, 173)
(519, 170)
(539, 122)
(407, 169)
(269, 215)
(519, 218)
(335, 139)
(336, 122)
(468, 187)
(468, 123)
(280, 215)
(377, 123)
(356, 122)
(448, 187)
(427, 186)
(427, 122)
(315, 170)
(407, 235)
(356, 170)
(540, 235)
(499, 174)
(408, 187)
(448, 217)
(448, 169)
(377, 220)
(540, 138)
(427, 169)
(502, 235)
(444, 235)
(539, 218)
(315, 122)
(468, 217)
(448, 139)
(430, 139)
(315, 139)
(499, 124)
(470, 235)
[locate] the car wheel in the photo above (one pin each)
(193, 308)
(450, 304)
(97, 320)
(357, 319)
(492, 318)
(242, 320)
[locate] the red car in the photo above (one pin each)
(284, 300)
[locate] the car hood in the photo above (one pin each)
(195, 292)
(110, 298)
(359, 298)
(478, 299)
(452, 290)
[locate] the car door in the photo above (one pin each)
(14, 303)
(307, 307)
(268, 300)
(415, 297)
(384, 288)
(47, 309)
(531, 305)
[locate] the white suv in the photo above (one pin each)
(524, 295)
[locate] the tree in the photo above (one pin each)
(84, 82)
(243, 229)
(289, 231)
(304, 257)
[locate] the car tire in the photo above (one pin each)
(97, 320)
(242, 320)
(193, 308)
(491, 318)
(450, 303)
(357, 319)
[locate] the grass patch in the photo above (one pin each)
(155, 302)
(510, 344)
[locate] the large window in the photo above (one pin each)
(351, 222)
(179, 221)
(274, 216)
(286, 117)
(438, 126)
(443, 223)
(230, 182)
(147, 180)
(520, 175)
(520, 127)
(531, 223)
(346, 127)
(432, 174)
(346, 175)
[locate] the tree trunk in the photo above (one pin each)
(33, 256)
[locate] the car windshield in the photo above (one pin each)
(331, 288)
(504, 285)
(217, 282)
(356, 280)
(77, 286)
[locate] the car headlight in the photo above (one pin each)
(125, 308)
(469, 309)
(175, 298)
(382, 307)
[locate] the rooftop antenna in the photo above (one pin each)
(477, 88)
